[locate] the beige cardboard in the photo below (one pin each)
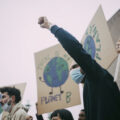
(114, 27)
(21, 87)
(104, 52)
(49, 102)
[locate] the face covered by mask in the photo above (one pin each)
(76, 75)
(7, 106)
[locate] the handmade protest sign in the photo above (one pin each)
(97, 40)
(54, 86)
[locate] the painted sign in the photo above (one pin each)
(54, 85)
(97, 40)
(114, 27)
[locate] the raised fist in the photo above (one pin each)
(44, 23)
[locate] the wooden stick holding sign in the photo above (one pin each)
(118, 61)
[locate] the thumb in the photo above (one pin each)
(42, 25)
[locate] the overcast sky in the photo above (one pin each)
(21, 36)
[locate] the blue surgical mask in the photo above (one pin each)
(7, 106)
(76, 75)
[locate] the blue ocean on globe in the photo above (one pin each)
(56, 72)
(89, 46)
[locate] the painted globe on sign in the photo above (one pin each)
(89, 46)
(56, 72)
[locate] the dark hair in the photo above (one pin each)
(74, 66)
(63, 114)
(12, 91)
(83, 110)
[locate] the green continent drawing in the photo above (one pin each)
(56, 72)
(89, 46)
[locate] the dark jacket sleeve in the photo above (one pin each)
(39, 117)
(75, 50)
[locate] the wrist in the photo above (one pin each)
(50, 26)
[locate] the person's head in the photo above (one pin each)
(10, 97)
(82, 115)
(61, 114)
(29, 117)
(76, 73)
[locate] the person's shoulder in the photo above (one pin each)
(21, 114)
(21, 111)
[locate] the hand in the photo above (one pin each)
(29, 118)
(118, 46)
(44, 23)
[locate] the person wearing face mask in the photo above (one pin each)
(101, 95)
(3, 114)
(76, 73)
(10, 103)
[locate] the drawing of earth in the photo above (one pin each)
(56, 72)
(89, 46)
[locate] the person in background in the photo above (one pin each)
(61, 114)
(10, 103)
(82, 115)
(101, 95)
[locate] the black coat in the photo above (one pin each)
(101, 94)
(39, 117)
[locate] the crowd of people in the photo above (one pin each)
(101, 95)
(14, 110)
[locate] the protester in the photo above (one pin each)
(75, 70)
(10, 102)
(101, 94)
(82, 115)
(61, 114)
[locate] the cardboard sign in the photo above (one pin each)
(114, 27)
(97, 40)
(54, 86)
(21, 87)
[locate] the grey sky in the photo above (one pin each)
(21, 36)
